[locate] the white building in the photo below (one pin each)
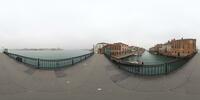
(99, 46)
(165, 49)
(169, 47)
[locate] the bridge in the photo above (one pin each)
(95, 79)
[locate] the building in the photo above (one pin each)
(133, 48)
(183, 47)
(107, 49)
(176, 48)
(116, 49)
(119, 49)
(98, 47)
(163, 49)
(136, 50)
(155, 49)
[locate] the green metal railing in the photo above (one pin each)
(150, 70)
(47, 63)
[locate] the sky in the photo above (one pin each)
(79, 24)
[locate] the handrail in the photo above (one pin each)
(49, 63)
(153, 69)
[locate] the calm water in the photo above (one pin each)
(149, 58)
(48, 54)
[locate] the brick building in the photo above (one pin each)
(116, 49)
(183, 47)
(176, 48)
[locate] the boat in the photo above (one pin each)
(134, 62)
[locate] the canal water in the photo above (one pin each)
(149, 58)
(50, 54)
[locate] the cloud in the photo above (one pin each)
(78, 24)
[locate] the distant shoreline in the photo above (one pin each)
(40, 49)
(48, 49)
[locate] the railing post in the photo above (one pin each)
(38, 60)
(72, 60)
(57, 64)
(166, 69)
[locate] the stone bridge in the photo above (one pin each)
(96, 79)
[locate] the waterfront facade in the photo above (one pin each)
(98, 47)
(107, 49)
(116, 49)
(119, 49)
(183, 47)
(176, 48)
(156, 48)
(136, 50)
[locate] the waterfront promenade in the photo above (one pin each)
(95, 79)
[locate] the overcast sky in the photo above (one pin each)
(78, 24)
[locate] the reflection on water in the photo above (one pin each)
(149, 58)
(48, 54)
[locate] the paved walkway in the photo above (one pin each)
(96, 79)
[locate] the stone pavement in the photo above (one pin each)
(96, 79)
